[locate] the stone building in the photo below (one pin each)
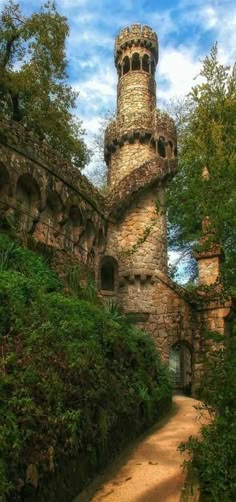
(120, 238)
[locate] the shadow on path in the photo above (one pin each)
(150, 469)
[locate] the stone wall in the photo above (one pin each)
(138, 241)
(128, 157)
(154, 303)
(136, 100)
(45, 199)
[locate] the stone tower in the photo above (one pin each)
(136, 56)
(140, 151)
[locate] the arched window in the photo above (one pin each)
(136, 64)
(146, 63)
(108, 273)
(161, 147)
(126, 65)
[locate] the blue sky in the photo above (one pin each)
(186, 30)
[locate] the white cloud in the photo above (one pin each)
(214, 17)
(97, 94)
(177, 69)
(209, 17)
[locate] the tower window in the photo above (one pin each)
(136, 64)
(108, 272)
(161, 147)
(169, 149)
(126, 65)
(146, 63)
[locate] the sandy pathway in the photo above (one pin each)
(152, 471)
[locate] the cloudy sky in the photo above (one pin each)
(186, 29)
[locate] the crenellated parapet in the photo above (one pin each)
(136, 36)
(165, 125)
(156, 130)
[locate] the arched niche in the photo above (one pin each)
(48, 229)
(136, 62)
(101, 241)
(146, 63)
(27, 191)
(180, 366)
(108, 274)
(82, 247)
(53, 207)
(126, 65)
(28, 200)
(90, 234)
(74, 228)
(161, 147)
(4, 182)
(75, 216)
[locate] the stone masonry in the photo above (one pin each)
(121, 238)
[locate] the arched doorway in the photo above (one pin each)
(180, 365)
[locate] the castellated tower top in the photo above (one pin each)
(139, 133)
(136, 36)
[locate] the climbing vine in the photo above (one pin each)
(146, 232)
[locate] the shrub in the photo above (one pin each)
(72, 377)
(213, 456)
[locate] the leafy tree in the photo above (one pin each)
(98, 173)
(213, 455)
(33, 71)
(207, 140)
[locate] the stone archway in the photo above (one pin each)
(180, 365)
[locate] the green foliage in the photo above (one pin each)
(71, 376)
(80, 286)
(114, 311)
(16, 258)
(33, 71)
(213, 456)
(207, 139)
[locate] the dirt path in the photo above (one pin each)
(151, 471)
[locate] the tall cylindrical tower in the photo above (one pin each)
(136, 56)
(139, 133)
(140, 150)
